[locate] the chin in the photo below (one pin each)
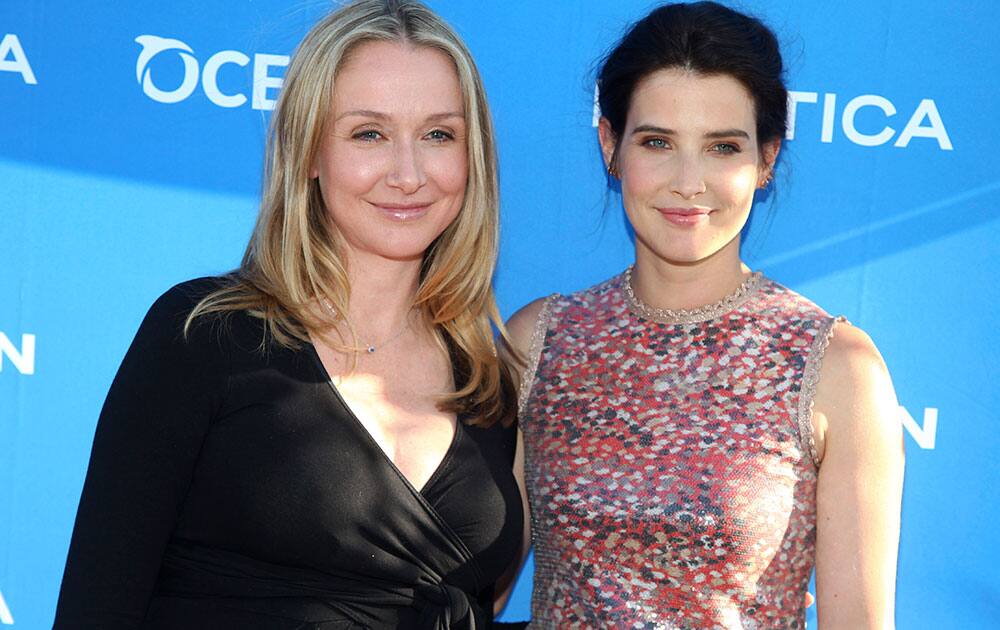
(406, 257)
(681, 253)
(407, 253)
(691, 251)
(683, 261)
(399, 247)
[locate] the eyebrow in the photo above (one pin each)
(369, 113)
(722, 133)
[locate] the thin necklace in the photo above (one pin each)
(684, 315)
(370, 348)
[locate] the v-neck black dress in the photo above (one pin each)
(231, 487)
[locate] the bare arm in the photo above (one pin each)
(520, 327)
(859, 493)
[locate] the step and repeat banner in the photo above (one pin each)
(131, 137)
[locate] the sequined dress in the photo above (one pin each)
(670, 462)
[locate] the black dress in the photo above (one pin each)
(231, 487)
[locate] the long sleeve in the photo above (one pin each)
(156, 415)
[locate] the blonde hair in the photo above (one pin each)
(293, 258)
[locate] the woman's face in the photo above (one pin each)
(689, 163)
(392, 163)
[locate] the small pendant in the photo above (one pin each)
(371, 349)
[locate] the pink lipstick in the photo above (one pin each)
(402, 211)
(685, 217)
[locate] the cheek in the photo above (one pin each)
(734, 184)
(449, 169)
(641, 177)
(349, 172)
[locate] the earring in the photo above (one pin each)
(766, 181)
(613, 171)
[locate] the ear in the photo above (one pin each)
(769, 154)
(608, 140)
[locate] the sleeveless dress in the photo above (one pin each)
(670, 461)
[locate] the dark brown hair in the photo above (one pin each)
(705, 38)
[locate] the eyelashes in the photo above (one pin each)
(367, 135)
(437, 136)
(440, 135)
(726, 148)
(658, 143)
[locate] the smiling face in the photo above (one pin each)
(689, 163)
(392, 164)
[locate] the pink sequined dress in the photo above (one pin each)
(670, 461)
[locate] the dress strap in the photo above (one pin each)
(810, 381)
(535, 350)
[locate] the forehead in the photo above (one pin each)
(394, 77)
(680, 99)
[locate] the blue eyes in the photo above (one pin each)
(440, 135)
(725, 148)
(722, 148)
(368, 135)
(371, 135)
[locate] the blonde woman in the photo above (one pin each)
(322, 438)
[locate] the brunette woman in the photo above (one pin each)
(698, 437)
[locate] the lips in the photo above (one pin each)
(685, 217)
(402, 211)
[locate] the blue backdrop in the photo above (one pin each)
(131, 137)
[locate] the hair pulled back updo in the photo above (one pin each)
(704, 38)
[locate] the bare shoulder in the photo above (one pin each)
(855, 401)
(851, 357)
(521, 325)
(859, 440)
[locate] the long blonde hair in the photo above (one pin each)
(293, 257)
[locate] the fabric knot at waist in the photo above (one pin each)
(199, 572)
(445, 606)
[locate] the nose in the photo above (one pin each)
(688, 177)
(406, 172)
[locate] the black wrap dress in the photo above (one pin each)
(231, 487)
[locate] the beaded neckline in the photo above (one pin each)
(688, 316)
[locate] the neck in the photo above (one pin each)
(670, 285)
(382, 294)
